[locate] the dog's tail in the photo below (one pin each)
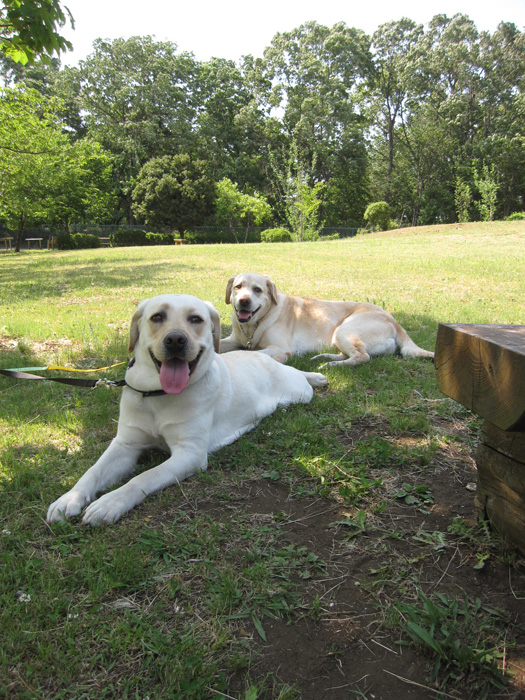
(407, 347)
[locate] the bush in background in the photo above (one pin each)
(377, 215)
(276, 235)
(159, 239)
(75, 241)
(128, 237)
(217, 234)
(517, 216)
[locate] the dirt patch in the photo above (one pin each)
(350, 647)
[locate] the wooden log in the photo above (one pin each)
(483, 368)
(500, 460)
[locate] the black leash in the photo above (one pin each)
(89, 383)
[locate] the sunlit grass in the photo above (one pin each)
(153, 606)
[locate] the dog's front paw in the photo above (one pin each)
(316, 379)
(106, 509)
(67, 506)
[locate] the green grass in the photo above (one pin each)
(156, 605)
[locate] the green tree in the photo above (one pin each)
(503, 61)
(80, 187)
(29, 29)
(300, 194)
(393, 46)
(236, 209)
(174, 191)
(463, 200)
(139, 100)
(31, 140)
(231, 127)
(488, 185)
(44, 177)
(316, 73)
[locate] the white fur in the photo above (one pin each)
(226, 396)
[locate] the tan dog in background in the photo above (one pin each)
(266, 319)
(182, 397)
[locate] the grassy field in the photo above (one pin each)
(177, 600)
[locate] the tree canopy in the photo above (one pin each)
(174, 191)
(429, 119)
(29, 29)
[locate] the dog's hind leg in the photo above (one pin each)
(353, 350)
(355, 358)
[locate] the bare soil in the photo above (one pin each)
(351, 650)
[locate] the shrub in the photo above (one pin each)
(219, 234)
(330, 237)
(276, 235)
(378, 215)
(204, 236)
(159, 238)
(517, 216)
(128, 237)
(75, 241)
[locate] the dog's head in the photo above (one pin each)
(251, 296)
(174, 337)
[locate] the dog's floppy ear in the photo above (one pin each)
(272, 291)
(216, 325)
(229, 290)
(134, 328)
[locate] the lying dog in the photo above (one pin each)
(183, 397)
(266, 319)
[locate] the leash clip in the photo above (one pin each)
(105, 382)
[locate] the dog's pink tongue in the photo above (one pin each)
(244, 315)
(174, 376)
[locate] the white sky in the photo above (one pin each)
(231, 28)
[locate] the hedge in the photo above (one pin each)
(74, 241)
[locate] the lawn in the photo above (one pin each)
(333, 552)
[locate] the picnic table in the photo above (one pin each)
(6, 240)
(179, 241)
(483, 368)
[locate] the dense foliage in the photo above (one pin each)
(429, 120)
(31, 28)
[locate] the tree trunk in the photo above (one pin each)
(20, 234)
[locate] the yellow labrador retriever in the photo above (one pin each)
(266, 319)
(180, 396)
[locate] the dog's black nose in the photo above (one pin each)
(175, 342)
(244, 302)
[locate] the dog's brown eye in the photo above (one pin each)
(157, 318)
(195, 319)
(238, 286)
(257, 290)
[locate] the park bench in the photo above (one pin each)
(38, 240)
(179, 241)
(482, 367)
(6, 241)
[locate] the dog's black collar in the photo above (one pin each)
(155, 392)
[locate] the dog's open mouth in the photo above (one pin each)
(244, 315)
(175, 373)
